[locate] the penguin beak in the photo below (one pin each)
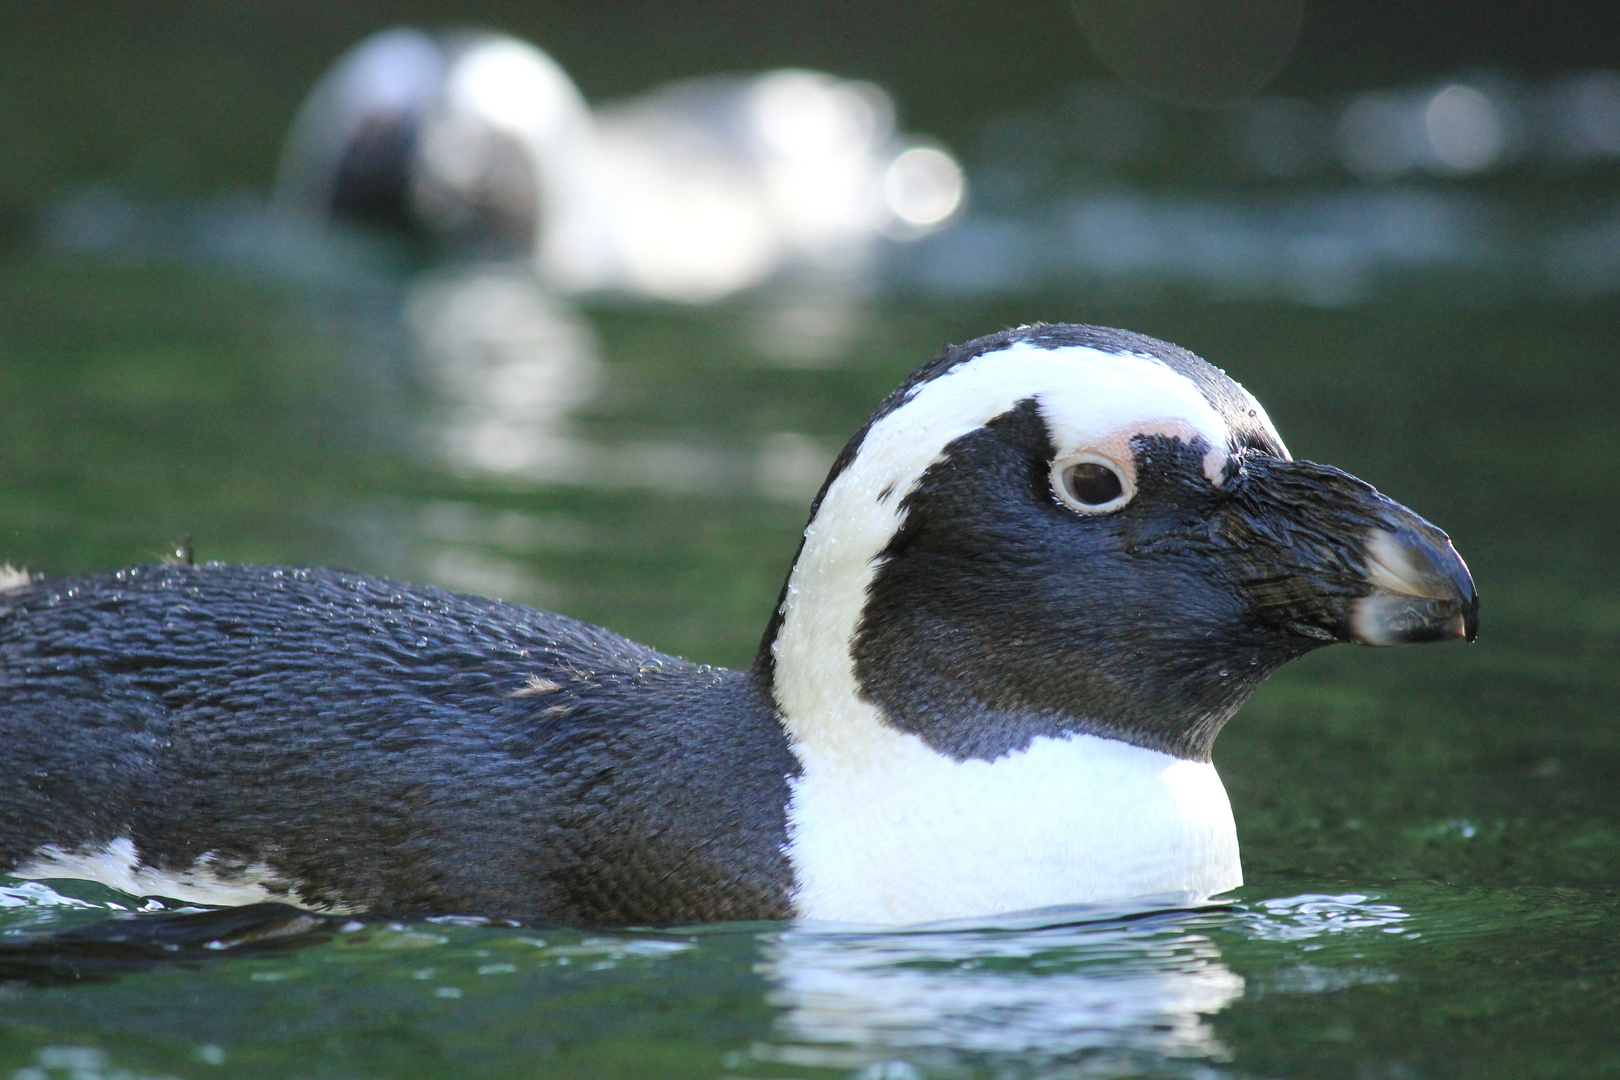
(1421, 590)
(1325, 556)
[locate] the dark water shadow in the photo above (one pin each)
(141, 942)
(138, 943)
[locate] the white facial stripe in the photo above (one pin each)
(1257, 413)
(1116, 398)
(203, 882)
(950, 818)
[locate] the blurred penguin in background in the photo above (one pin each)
(689, 193)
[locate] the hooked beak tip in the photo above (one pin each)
(1421, 590)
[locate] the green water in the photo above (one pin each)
(1431, 836)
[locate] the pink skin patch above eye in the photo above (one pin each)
(1116, 447)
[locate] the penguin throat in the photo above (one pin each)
(884, 828)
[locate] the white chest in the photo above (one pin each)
(896, 833)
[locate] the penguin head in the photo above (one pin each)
(1069, 529)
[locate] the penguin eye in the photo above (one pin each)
(1090, 483)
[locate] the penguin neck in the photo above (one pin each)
(885, 829)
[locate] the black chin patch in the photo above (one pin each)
(997, 615)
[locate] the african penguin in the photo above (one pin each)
(1035, 585)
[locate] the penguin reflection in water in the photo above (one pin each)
(1032, 590)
